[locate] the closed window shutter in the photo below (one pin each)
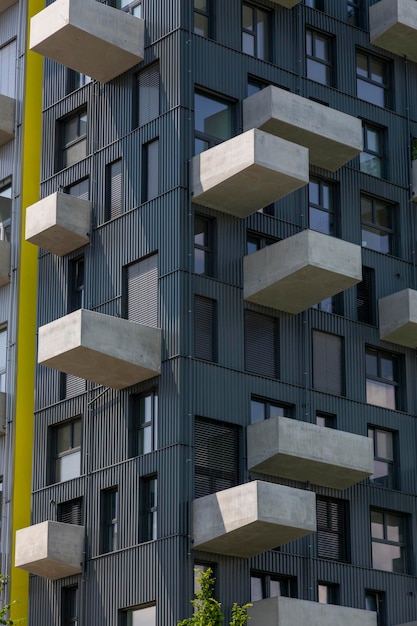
(331, 529)
(216, 456)
(148, 85)
(142, 291)
(365, 297)
(261, 344)
(328, 363)
(71, 512)
(114, 190)
(204, 328)
(74, 385)
(151, 177)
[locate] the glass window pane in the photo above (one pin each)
(326, 196)
(276, 411)
(387, 557)
(145, 436)
(247, 17)
(384, 441)
(142, 617)
(361, 65)
(323, 594)
(213, 117)
(377, 524)
(366, 210)
(371, 93)
(201, 25)
(200, 231)
(3, 350)
(394, 528)
(377, 71)
(200, 261)
(309, 43)
(320, 221)
(248, 44)
(372, 139)
(262, 34)
(371, 602)
(382, 215)
(371, 363)
(145, 409)
(376, 239)
(68, 466)
(8, 69)
(321, 48)
(380, 394)
(387, 368)
(314, 192)
(256, 588)
(370, 164)
(381, 474)
(257, 411)
(201, 5)
(318, 71)
(275, 588)
(76, 434)
(64, 438)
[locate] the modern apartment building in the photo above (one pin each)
(226, 312)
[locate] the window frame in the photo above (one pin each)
(332, 592)
(76, 285)
(139, 426)
(379, 597)
(111, 211)
(343, 535)
(384, 85)
(202, 135)
(329, 419)
(268, 404)
(109, 522)
(6, 193)
(259, 367)
(207, 15)
(69, 605)
(127, 614)
(148, 530)
(366, 297)
(147, 192)
(402, 545)
(258, 240)
(374, 226)
(390, 483)
(395, 383)
(207, 248)
(205, 328)
(323, 183)
(263, 55)
(287, 584)
(378, 156)
(56, 455)
(312, 58)
(79, 138)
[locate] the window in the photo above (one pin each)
(353, 12)
(328, 371)
(371, 159)
(114, 190)
(143, 420)
(365, 296)
(327, 593)
(134, 8)
(314, 4)
(377, 224)
(388, 541)
(66, 450)
(264, 409)
(8, 69)
(328, 420)
(109, 515)
(80, 189)
(141, 291)
(382, 387)
(318, 57)
(69, 606)
(148, 94)
(73, 139)
(321, 206)
(1, 512)
(3, 358)
(375, 601)
(5, 211)
(255, 242)
(261, 344)
(76, 284)
(203, 245)
(76, 80)
(216, 456)
(255, 31)
(371, 79)
(141, 617)
(71, 512)
(205, 328)
(270, 586)
(332, 523)
(329, 305)
(150, 170)
(71, 386)
(149, 508)
(213, 121)
(383, 441)
(202, 17)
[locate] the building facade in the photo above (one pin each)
(226, 312)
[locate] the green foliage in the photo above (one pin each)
(414, 149)
(6, 608)
(207, 610)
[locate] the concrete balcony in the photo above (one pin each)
(248, 172)
(248, 519)
(398, 318)
(7, 113)
(393, 26)
(301, 451)
(332, 137)
(296, 273)
(51, 549)
(5, 268)
(282, 611)
(89, 37)
(59, 223)
(6, 4)
(107, 350)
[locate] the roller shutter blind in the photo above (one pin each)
(261, 344)
(114, 190)
(72, 385)
(142, 291)
(148, 89)
(205, 331)
(365, 296)
(331, 529)
(71, 512)
(328, 375)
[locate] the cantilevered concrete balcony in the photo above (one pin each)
(332, 137)
(51, 549)
(282, 611)
(59, 223)
(302, 451)
(248, 172)
(398, 318)
(89, 37)
(393, 26)
(7, 112)
(296, 273)
(107, 350)
(251, 518)
(5, 4)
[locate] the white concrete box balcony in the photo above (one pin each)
(393, 26)
(89, 37)
(288, 448)
(296, 273)
(107, 350)
(398, 318)
(7, 112)
(248, 172)
(6, 4)
(3, 414)
(5, 269)
(248, 519)
(282, 611)
(50, 549)
(59, 223)
(332, 137)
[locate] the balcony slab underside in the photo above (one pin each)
(6, 4)
(393, 27)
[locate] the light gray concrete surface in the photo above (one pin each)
(50, 549)
(88, 37)
(108, 350)
(59, 223)
(293, 612)
(7, 114)
(332, 137)
(393, 26)
(248, 519)
(3, 414)
(295, 273)
(4, 262)
(288, 448)
(248, 172)
(398, 318)
(5, 4)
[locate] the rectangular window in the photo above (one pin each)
(328, 370)
(328, 420)
(255, 31)
(377, 224)
(388, 541)
(205, 328)
(150, 170)
(134, 8)
(109, 521)
(270, 586)
(80, 189)
(203, 245)
(202, 17)
(261, 344)
(371, 159)
(66, 450)
(265, 409)
(73, 139)
(5, 211)
(148, 94)
(143, 423)
(8, 69)
(365, 296)
(76, 80)
(353, 12)
(371, 79)
(149, 508)
(327, 593)
(216, 456)
(71, 512)
(114, 190)
(3, 358)
(382, 380)
(141, 617)
(375, 601)
(76, 284)
(213, 121)
(71, 386)
(69, 606)
(319, 57)
(255, 242)
(321, 206)
(383, 441)
(332, 522)
(141, 288)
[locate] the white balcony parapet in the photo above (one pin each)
(6, 4)
(7, 114)
(248, 519)
(332, 137)
(398, 318)
(301, 451)
(107, 350)
(393, 26)
(296, 273)
(59, 223)
(281, 611)
(89, 37)
(50, 549)
(248, 172)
